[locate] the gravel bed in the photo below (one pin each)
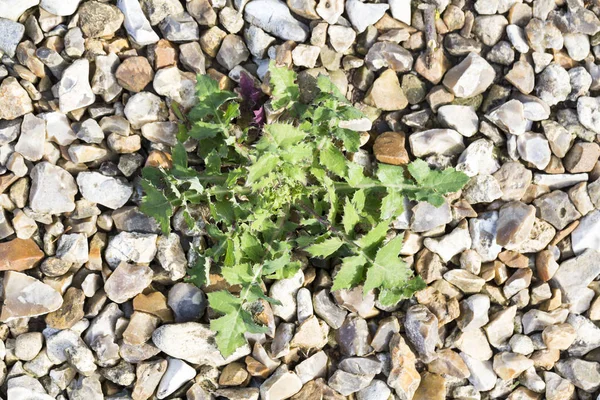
(95, 304)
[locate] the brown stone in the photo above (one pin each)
(389, 148)
(233, 374)
(432, 387)
(165, 54)
(449, 363)
(555, 301)
(513, 259)
(386, 93)
(256, 368)
(432, 66)
(140, 328)
(97, 245)
(522, 393)
(158, 158)
(582, 157)
(545, 265)
(134, 74)
(148, 375)
(403, 377)
(19, 255)
(154, 303)
(70, 312)
(545, 359)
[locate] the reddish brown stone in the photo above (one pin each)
(165, 54)
(19, 255)
(134, 74)
(389, 148)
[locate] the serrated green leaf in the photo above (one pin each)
(351, 273)
(325, 248)
(333, 159)
(419, 170)
(179, 154)
(327, 86)
(350, 139)
(391, 297)
(388, 270)
(264, 165)
(204, 130)
(238, 273)
(229, 329)
(434, 182)
(392, 205)
(199, 273)
(374, 236)
(285, 89)
(251, 247)
(350, 217)
(156, 205)
(284, 135)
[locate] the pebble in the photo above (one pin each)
(553, 84)
(134, 74)
(107, 191)
(386, 93)
(74, 91)
(14, 100)
(11, 34)
(274, 17)
(127, 281)
(136, 24)
(194, 343)
(361, 15)
(25, 296)
(187, 301)
(281, 385)
(469, 78)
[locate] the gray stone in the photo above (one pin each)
(469, 78)
(180, 28)
(361, 15)
(11, 34)
(422, 331)
(127, 281)
(130, 247)
(33, 135)
(187, 301)
(575, 274)
(557, 209)
(534, 148)
(14, 100)
(583, 374)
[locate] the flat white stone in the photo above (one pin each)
(13, 9)
(587, 233)
(60, 7)
(74, 91)
(136, 23)
(105, 190)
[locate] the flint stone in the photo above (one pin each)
(105, 190)
(274, 16)
(576, 274)
(469, 78)
(52, 190)
(194, 343)
(25, 296)
(136, 24)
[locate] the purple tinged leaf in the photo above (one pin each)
(259, 117)
(250, 93)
